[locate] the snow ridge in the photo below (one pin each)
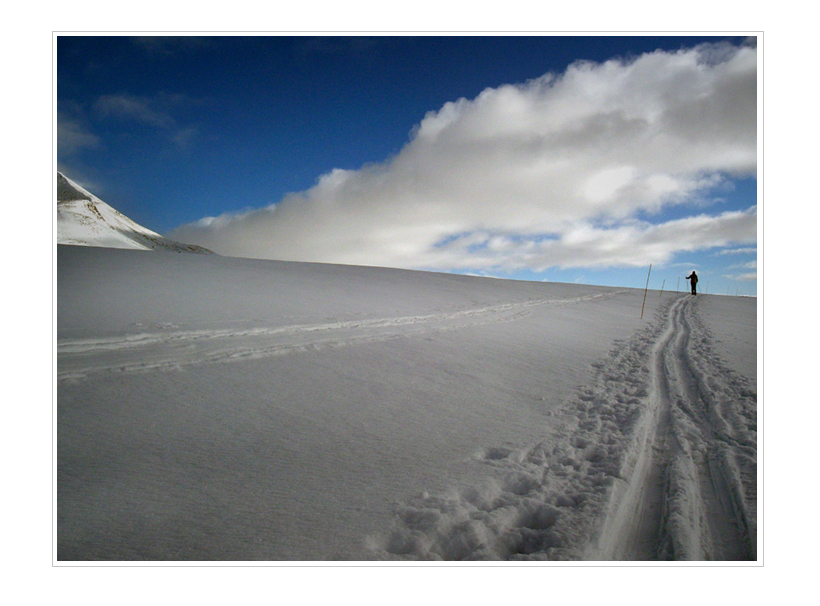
(658, 462)
(85, 220)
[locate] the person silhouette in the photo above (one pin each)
(693, 280)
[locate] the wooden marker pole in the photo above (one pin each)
(645, 289)
(662, 285)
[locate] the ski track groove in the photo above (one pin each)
(170, 350)
(657, 462)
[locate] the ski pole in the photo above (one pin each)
(645, 289)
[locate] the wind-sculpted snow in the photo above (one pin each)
(658, 462)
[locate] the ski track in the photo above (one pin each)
(657, 462)
(656, 459)
(170, 349)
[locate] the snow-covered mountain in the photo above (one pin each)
(85, 220)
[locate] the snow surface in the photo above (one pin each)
(213, 408)
(85, 220)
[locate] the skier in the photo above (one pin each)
(693, 278)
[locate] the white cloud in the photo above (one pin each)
(736, 251)
(133, 108)
(73, 136)
(749, 265)
(551, 172)
(151, 111)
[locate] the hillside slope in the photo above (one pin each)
(85, 220)
(215, 408)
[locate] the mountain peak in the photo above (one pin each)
(85, 220)
(68, 190)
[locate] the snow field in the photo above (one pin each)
(644, 473)
(228, 409)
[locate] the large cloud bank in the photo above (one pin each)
(561, 171)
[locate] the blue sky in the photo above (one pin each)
(573, 159)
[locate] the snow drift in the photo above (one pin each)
(85, 220)
(213, 408)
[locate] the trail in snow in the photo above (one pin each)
(171, 349)
(657, 461)
(212, 408)
(276, 443)
(691, 491)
